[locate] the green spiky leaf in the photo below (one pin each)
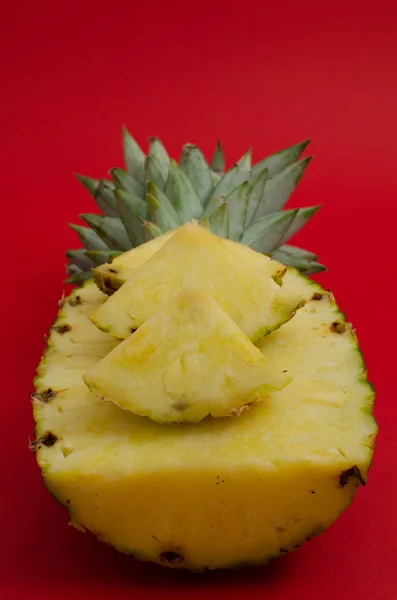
(193, 190)
(218, 159)
(134, 157)
(88, 237)
(296, 252)
(80, 258)
(151, 230)
(109, 229)
(127, 182)
(160, 210)
(300, 259)
(216, 177)
(132, 209)
(278, 161)
(105, 199)
(255, 190)
(153, 173)
(160, 156)
(239, 173)
(213, 203)
(301, 218)
(99, 257)
(267, 233)
(91, 185)
(237, 204)
(279, 188)
(76, 275)
(181, 194)
(219, 221)
(195, 167)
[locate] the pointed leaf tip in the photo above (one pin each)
(110, 229)
(181, 193)
(88, 237)
(218, 159)
(245, 161)
(134, 157)
(131, 208)
(197, 171)
(91, 185)
(278, 161)
(266, 234)
(279, 188)
(302, 216)
(126, 181)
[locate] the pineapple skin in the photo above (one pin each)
(204, 498)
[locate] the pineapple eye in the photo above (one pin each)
(171, 557)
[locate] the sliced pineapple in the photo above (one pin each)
(188, 361)
(225, 492)
(110, 276)
(194, 257)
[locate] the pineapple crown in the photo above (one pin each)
(155, 194)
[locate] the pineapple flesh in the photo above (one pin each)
(187, 362)
(109, 277)
(194, 257)
(224, 492)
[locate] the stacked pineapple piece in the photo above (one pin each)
(192, 355)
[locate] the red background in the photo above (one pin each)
(255, 74)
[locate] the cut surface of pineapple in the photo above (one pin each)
(187, 362)
(225, 492)
(194, 257)
(110, 276)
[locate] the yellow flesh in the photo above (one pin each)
(188, 361)
(224, 492)
(124, 266)
(195, 258)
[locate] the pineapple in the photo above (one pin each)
(236, 422)
(196, 257)
(187, 362)
(155, 195)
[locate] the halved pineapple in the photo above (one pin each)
(188, 361)
(194, 257)
(225, 492)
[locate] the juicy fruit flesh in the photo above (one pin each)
(186, 362)
(110, 277)
(194, 257)
(225, 492)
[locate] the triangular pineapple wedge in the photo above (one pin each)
(188, 361)
(109, 277)
(195, 258)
